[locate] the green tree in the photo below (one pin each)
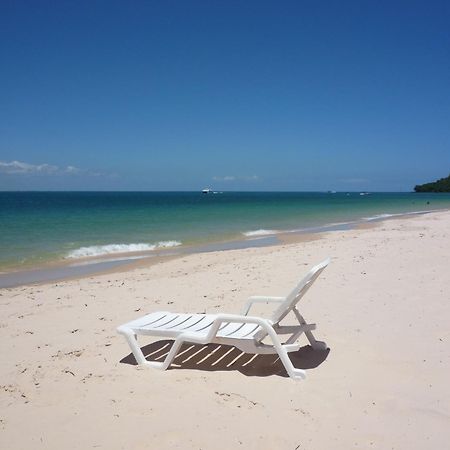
(441, 185)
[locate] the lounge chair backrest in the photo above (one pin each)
(298, 292)
(294, 297)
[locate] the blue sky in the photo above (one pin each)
(235, 95)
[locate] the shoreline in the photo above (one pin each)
(121, 262)
(99, 225)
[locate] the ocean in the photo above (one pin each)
(42, 227)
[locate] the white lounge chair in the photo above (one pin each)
(242, 331)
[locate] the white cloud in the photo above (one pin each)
(22, 168)
(72, 169)
(236, 178)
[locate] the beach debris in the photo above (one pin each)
(228, 396)
(59, 354)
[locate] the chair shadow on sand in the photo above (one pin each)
(215, 357)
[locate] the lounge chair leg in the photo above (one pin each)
(295, 374)
(139, 356)
(132, 341)
(168, 359)
(316, 345)
(172, 353)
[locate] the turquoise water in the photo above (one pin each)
(37, 227)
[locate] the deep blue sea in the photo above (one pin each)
(38, 227)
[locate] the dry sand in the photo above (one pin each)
(383, 307)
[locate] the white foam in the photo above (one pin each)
(165, 244)
(380, 216)
(97, 250)
(261, 232)
(386, 216)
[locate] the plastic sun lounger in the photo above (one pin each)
(245, 332)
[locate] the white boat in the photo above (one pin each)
(207, 191)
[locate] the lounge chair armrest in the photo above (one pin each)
(237, 318)
(260, 299)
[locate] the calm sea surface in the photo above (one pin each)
(37, 227)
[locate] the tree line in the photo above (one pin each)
(441, 185)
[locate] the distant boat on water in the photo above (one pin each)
(207, 191)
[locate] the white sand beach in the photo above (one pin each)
(382, 306)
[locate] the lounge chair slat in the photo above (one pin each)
(179, 322)
(246, 331)
(176, 325)
(252, 331)
(205, 327)
(234, 330)
(167, 322)
(195, 320)
(150, 319)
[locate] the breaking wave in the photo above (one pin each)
(261, 232)
(387, 216)
(97, 250)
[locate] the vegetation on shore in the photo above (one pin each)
(442, 185)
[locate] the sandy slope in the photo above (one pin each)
(383, 306)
